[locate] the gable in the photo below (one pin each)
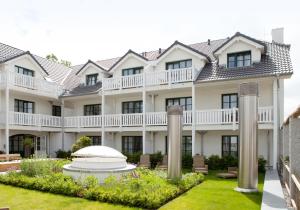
(92, 69)
(130, 61)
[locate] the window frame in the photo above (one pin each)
(184, 145)
(18, 68)
(178, 63)
(17, 106)
(230, 94)
(140, 110)
(56, 110)
(236, 55)
(89, 79)
(96, 140)
(92, 109)
(179, 98)
(134, 69)
(137, 144)
(230, 152)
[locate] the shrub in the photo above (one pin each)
(133, 158)
(2, 152)
(155, 159)
(187, 161)
(82, 142)
(35, 167)
(145, 188)
(63, 154)
(262, 165)
(216, 163)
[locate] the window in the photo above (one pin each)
(185, 102)
(229, 101)
(24, 106)
(132, 71)
(179, 64)
(132, 144)
(92, 109)
(91, 79)
(230, 146)
(186, 145)
(24, 71)
(96, 140)
(132, 107)
(239, 59)
(56, 111)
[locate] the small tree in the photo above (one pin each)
(82, 142)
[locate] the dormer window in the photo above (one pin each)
(24, 71)
(239, 59)
(132, 71)
(91, 79)
(179, 64)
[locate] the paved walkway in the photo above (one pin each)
(273, 198)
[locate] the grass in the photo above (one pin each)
(18, 198)
(213, 194)
(216, 193)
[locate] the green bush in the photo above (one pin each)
(133, 158)
(36, 167)
(155, 158)
(214, 162)
(145, 188)
(63, 154)
(82, 142)
(187, 161)
(262, 165)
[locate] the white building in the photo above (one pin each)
(121, 102)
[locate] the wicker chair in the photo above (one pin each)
(163, 164)
(199, 164)
(144, 161)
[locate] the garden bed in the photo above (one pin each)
(143, 188)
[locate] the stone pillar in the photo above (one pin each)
(175, 114)
(248, 117)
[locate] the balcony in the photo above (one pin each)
(156, 78)
(39, 120)
(37, 85)
(202, 117)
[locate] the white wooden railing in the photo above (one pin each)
(203, 117)
(151, 79)
(37, 84)
(27, 119)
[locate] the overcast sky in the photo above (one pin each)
(77, 30)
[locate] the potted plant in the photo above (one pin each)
(28, 143)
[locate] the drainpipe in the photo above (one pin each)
(275, 121)
(63, 124)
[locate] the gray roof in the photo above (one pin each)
(83, 90)
(276, 61)
(56, 72)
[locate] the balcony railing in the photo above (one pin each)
(202, 117)
(37, 84)
(40, 120)
(151, 79)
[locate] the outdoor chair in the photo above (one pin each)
(199, 164)
(163, 164)
(232, 172)
(9, 157)
(144, 161)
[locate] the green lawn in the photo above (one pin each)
(217, 194)
(22, 199)
(212, 194)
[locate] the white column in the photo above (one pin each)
(7, 109)
(144, 121)
(275, 123)
(63, 124)
(193, 119)
(103, 119)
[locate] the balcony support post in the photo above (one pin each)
(144, 120)
(193, 119)
(7, 67)
(103, 119)
(62, 124)
(275, 123)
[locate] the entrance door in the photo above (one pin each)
(40, 147)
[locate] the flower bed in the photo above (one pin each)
(143, 188)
